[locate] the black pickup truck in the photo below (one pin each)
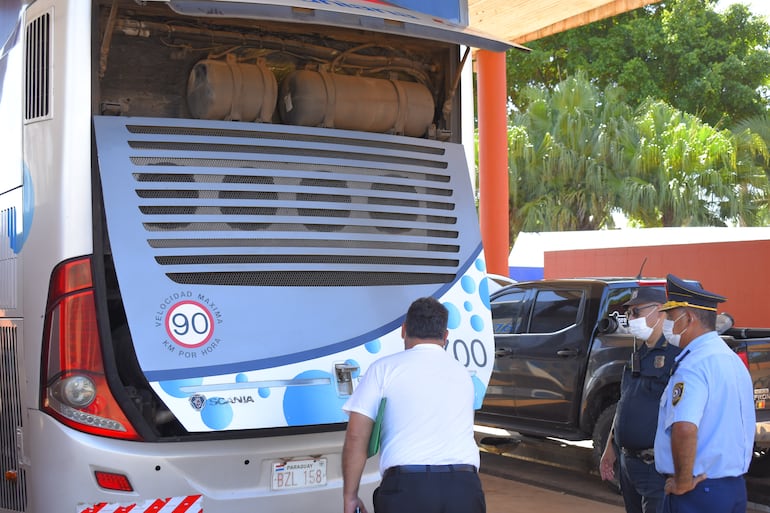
(560, 348)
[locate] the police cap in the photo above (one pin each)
(688, 294)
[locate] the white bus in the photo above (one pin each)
(213, 216)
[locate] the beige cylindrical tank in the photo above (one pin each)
(319, 98)
(231, 90)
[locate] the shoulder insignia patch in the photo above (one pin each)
(677, 393)
(660, 361)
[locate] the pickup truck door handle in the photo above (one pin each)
(503, 351)
(567, 352)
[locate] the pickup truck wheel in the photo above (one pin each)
(600, 434)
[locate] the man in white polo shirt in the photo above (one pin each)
(429, 458)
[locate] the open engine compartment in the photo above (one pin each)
(155, 62)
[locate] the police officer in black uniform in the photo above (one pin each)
(645, 377)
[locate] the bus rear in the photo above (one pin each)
(214, 218)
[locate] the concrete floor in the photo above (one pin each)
(506, 496)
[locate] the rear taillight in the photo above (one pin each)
(75, 389)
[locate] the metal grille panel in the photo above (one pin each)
(13, 493)
(38, 56)
(270, 234)
(282, 208)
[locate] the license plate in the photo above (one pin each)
(289, 475)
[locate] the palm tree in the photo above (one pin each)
(753, 157)
(563, 154)
(687, 173)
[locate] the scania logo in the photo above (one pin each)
(197, 401)
(231, 400)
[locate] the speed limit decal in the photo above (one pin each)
(189, 321)
(189, 324)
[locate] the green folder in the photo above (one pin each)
(374, 440)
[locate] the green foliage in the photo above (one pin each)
(679, 51)
(563, 152)
(687, 173)
(577, 154)
(643, 135)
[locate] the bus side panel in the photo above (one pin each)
(53, 207)
(13, 488)
(57, 155)
(11, 206)
(10, 95)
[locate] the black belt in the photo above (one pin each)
(645, 455)
(414, 469)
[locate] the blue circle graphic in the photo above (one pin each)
(313, 404)
(218, 413)
(468, 284)
(477, 323)
(374, 347)
(484, 292)
(479, 390)
(454, 316)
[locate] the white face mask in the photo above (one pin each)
(638, 328)
(668, 331)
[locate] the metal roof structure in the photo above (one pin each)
(521, 21)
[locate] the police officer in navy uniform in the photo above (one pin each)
(644, 378)
(706, 424)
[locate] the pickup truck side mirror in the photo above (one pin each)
(608, 325)
(725, 321)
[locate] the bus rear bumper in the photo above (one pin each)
(223, 476)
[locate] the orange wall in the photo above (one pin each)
(738, 270)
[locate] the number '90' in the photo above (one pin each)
(197, 322)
